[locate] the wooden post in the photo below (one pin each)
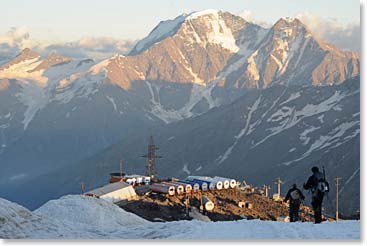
(82, 186)
(278, 182)
(266, 188)
(337, 198)
(121, 168)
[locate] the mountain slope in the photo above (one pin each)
(55, 111)
(265, 134)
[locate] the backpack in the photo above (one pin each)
(321, 184)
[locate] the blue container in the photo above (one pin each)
(203, 184)
(195, 185)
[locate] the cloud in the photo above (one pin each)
(97, 48)
(249, 16)
(344, 36)
(16, 39)
(19, 38)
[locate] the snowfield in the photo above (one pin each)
(79, 217)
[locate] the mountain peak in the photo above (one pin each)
(24, 55)
(196, 14)
(289, 22)
(52, 59)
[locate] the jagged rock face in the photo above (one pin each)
(26, 54)
(289, 54)
(196, 52)
(201, 46)
(52, 60)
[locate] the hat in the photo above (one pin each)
(314, 169)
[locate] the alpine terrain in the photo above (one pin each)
(220, 95)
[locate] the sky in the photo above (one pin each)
(74, 19)
(101, 28)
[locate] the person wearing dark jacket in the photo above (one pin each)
(317, 194)
(295, 197)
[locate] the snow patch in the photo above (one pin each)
(113, 102)
(253, 108)
(167, 116)
(186, 169)
(292, 97)
(164, 29)
(303, 136)
(331, 140)
(221, 34)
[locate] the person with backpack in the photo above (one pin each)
(295, 197)
(318, 186)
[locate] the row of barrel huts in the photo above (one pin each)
(193, 184)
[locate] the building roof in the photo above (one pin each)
(108, 188)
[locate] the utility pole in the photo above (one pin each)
(266, 188)
(151, 157)
(337, 198)
(121, 169)
(82, 186)
(278, 182)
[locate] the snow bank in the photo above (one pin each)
(18, 222)
(88, 213)
(77, 217)
(256, 229)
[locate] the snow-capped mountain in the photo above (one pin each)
(57, 111)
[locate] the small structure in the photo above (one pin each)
(114, 192)
(242, 204)
(179, 188)
(187, 187)
(277, 197)
(212, 183)
(135, 179)
(163, 188)
(208, 204)
(195, 186)
(117, 177)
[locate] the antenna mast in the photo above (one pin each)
(151, 157)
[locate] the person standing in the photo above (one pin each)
(317, 184)
(295, 197)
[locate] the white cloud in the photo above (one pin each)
(17, 39)
(97, 48)
(344, 36)
(247, 15)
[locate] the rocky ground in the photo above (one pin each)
(159, 207)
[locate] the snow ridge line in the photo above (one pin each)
(253, 108)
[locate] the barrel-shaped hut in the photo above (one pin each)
(224, 181)
(195, 186)
(232, 182)
(216, 184)
(179, 188)
(187, 187)
(163, 188)
(207, 203)
(203, 184)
